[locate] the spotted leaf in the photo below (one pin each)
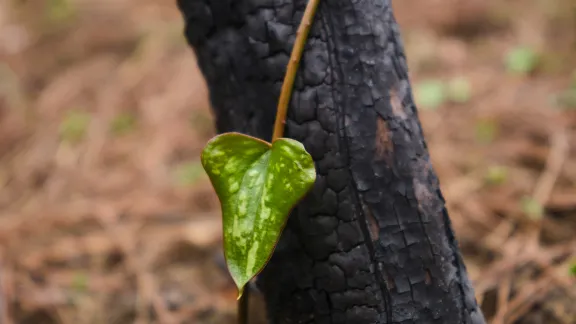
(258, 183)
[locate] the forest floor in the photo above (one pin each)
(107, 217)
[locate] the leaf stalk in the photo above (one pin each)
(292, 69)
(243, 305)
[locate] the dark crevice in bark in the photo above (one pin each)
(372, 242)
(363, 222)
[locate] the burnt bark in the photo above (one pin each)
(372, 242)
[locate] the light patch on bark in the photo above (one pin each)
(373, 226)
(428, 277)
(384, 145)
(396, 103)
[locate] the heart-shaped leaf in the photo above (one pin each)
(258, 184)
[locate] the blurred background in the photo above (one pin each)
(106, 215)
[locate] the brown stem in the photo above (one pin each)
(243, 305)
(292, 69)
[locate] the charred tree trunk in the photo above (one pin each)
(372, 243)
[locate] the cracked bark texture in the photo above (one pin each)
(372, 242)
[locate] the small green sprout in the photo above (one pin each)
(74, 126)
(572, 269)
(123, 124)
(459, 90)
(60, 10)
(496, 175)
(532, 208)
(80, 282)
(430, 94)
(486, 131)
(522, 60)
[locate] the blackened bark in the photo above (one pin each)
(372, 243)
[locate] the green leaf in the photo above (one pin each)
(430, 94)
(521, 60)
(258, 184)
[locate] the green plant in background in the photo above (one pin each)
(572, 269)
(74, 126)
(430, 94)
(60, 10)
(188, 173)
(567, 98)
(459, 90)
(532, 208)
(496, 175)
(80, 282)
(123, 124)
(522, 60)
(258, 183)
(486, 131)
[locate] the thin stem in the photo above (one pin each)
(243, 306)
(292, 69)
